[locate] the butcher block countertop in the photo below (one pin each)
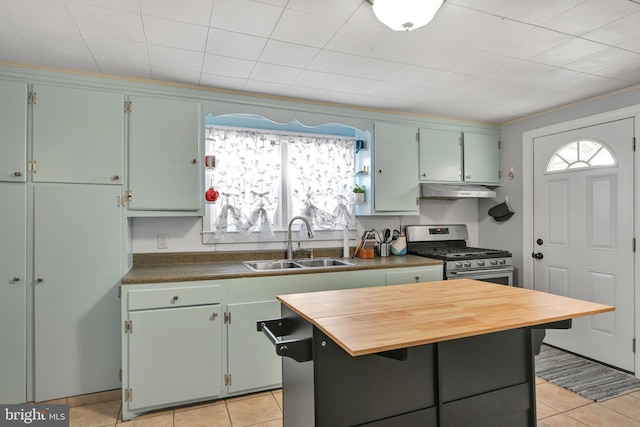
(371, 320)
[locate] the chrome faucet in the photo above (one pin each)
(289, 241)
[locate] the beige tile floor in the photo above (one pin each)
(556, 407)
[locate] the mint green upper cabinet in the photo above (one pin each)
(396, 168)
(481, 158)
(452, 156)
(440, 155)
(13, 131)
(165, 148)
(78, 135)
(13, 292)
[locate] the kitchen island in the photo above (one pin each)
(447, 353)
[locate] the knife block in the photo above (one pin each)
(365, 253)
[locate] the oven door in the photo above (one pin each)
(502, 276)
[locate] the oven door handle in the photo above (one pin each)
(482, 271)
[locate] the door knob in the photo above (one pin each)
(537, 255)
(539, 241)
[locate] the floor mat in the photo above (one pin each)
(582, 376)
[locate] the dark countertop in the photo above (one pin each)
(160, 268)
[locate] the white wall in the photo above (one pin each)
(509, 235)
(184, 232)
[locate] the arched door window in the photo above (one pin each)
(581, 153)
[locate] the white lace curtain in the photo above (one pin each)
(249, 177)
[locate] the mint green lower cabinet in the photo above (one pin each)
(401, 276)
(252, 361)
(13, 294)
(171, 345)
(174, 355)
(194, 341)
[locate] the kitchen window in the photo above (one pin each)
(262, 178)
(578, 154)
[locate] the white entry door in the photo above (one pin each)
(583, 234)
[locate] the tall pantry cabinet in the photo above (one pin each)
(62, 162)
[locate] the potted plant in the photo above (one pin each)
(359, 191)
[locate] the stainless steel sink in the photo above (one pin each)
(271, 265)
(322, 262)
(275, 265)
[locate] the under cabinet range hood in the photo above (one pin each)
(444, 191)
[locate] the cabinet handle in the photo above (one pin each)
(115, 178)
(174, 299)
(194, 161)
(16, 279)
(40, 279)
(17, 174)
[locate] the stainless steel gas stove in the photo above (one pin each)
(449, 243)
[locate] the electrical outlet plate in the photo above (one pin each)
(163, 241)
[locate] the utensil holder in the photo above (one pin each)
(384, 249)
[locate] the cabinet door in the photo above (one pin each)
(13, 270)
(165, 146)
(253, 361)
(13, 136)
(440, 155)
(78, 135)
(396, 168)
(174, 355)
(481, 158)
(77, 269)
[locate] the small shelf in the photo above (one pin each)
(362, 173)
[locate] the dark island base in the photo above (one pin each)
(485, 380)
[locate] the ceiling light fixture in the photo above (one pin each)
(405, 15)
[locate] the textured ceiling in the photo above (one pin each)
(486, 60)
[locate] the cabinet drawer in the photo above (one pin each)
(416, 275)
(142, 299)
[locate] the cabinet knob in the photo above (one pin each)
(379, 170)
(115, 178)
(467, 177)
(16, 279)
(40, 279)
(417, 278)
(194, 161)
(174, 299)
(17, 174)
(424, 174)
(213, 316)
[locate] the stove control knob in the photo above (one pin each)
(502, 262)
(494, 262)
(480, 263)
(467, 264)
(458, 264)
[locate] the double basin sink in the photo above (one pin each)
(287, 264)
